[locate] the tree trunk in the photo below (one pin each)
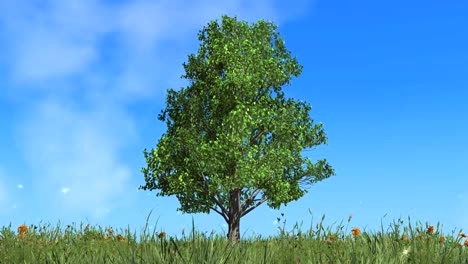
(234, 216)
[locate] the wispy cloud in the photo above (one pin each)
(80, 64)
(75, 154)
(56, 39)
(53, 39)
(45, 55)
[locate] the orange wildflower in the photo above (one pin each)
(430, 230)
(121, 238)
(162, 234)
(355, 231)
(466, 243)
(22, 229)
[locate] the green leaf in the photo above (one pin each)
(227, 127)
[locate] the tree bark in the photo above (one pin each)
(234, 216)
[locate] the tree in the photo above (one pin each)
(228, 139)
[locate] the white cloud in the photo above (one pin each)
(73, 147)
(45, 55)
(147, 22)
(54, 39)
(59, 38)
(144, 21)
(65, 190)
(79, 150)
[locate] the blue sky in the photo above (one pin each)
(82, 82)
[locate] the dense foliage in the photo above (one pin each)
(228, 139)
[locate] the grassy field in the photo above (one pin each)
(400, 244)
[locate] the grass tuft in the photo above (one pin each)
(399, 244)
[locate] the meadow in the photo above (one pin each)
(399, 244)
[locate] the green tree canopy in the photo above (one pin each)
(228, 140)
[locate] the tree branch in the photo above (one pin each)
(250, 199)
(257, 136)
(212, 196)
(224, 216)
(251, 208)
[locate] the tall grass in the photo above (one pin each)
(318, 245)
